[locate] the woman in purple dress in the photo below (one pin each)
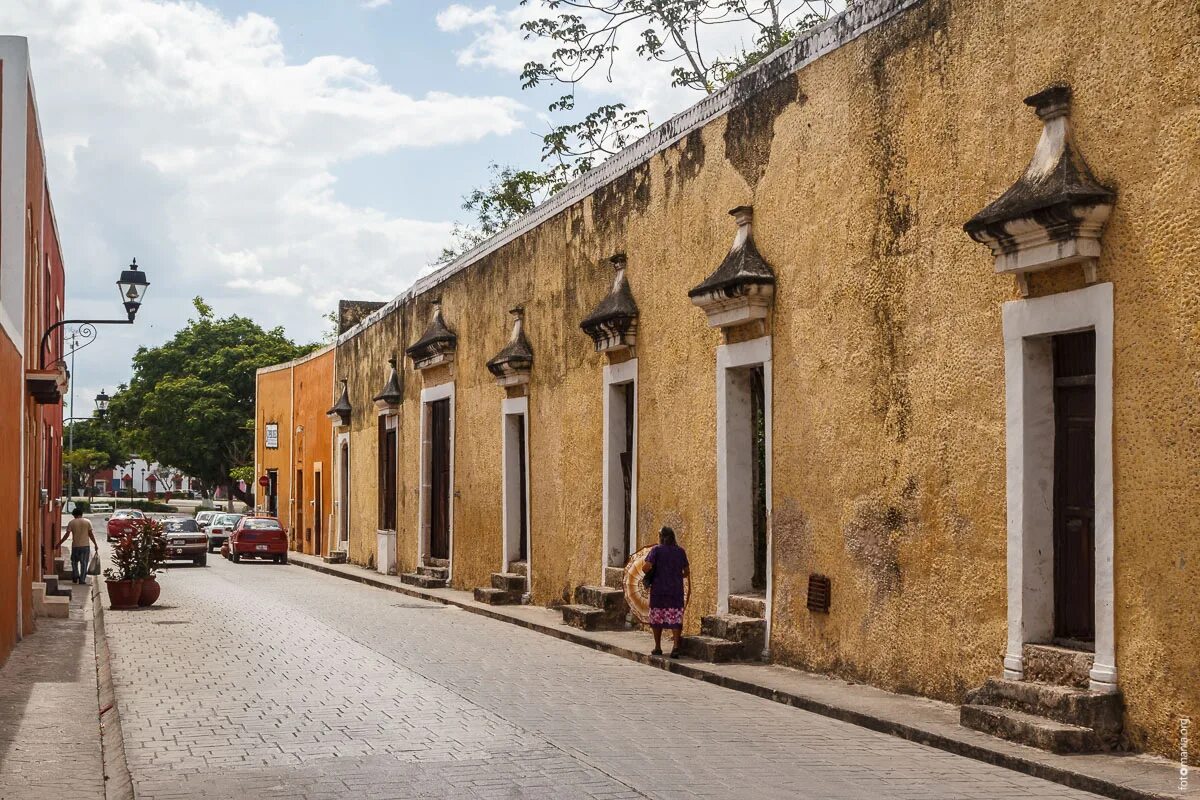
(668, 569)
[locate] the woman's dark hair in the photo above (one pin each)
(666, 535)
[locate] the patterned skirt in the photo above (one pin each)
(666, 617)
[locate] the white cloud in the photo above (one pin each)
(189, 139)
(373, 4)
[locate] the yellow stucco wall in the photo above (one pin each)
(888, 361)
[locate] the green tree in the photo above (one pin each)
(85, 463)
(97, 434)
(587, 38)
(190, 402)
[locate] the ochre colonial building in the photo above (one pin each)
(954, 462)
(32, 377)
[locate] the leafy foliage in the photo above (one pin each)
(86, 463)
(588, 37)
(190, 402)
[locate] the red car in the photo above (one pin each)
(121, 522)
(259, 537)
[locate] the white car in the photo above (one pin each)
(205, 518)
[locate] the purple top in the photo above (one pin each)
(670, 562)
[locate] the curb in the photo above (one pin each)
(118, 783)
(995, 757)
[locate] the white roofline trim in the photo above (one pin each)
(296, 361)
(820, 41)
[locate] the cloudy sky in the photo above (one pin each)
(274, 155)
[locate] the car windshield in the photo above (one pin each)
(181, 526)
(228, 520)
(133, 514)
(261, 525)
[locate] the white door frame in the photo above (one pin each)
(1029, 411)
(443, 391)
(510, 517)
(733, 462)
(342, 495)
(612, 509)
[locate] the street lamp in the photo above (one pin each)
(132, 285)
(102, 403)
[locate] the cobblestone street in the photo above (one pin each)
(256, 680)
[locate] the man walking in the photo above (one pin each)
(80, 531)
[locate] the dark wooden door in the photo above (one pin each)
(439, 500)
(273, 492)
(627, 468)
(318, 513)
(521, 487)
(758, 418)
(1074, 485)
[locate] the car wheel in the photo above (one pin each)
(283, 559)
(202, 561)
(235, 558)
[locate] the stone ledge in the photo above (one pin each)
(920, 720)
(118, 782)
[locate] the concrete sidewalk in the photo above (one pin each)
(917, 719)
(59, 732)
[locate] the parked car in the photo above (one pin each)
(121, 522)
(185, 541)
(205, 518)
(259, 537)
(220, 528)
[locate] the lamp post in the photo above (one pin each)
(132, 285)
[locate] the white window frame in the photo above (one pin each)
(511, 510)
(443, 391)
(612, 494)
(732, 445)
(1029, 410)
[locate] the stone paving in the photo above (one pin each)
(49, 718)
(257, 680)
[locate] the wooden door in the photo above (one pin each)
(758, 433)
(1074, 486)
(627, 468)
(522, 499)
(318, 513)
(439, 500)
(298, 529)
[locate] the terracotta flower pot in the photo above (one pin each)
(123, 595)
(151, 589)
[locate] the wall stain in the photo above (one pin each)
(750, 128)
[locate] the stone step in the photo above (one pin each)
(424, 581)
(614, 577)
(1047, 663)
(508, 582)
(60, 564)
(434, 572)
(53, 589)
(1099, 711)
(609, 600)
(750, 632)
(711, 649)
(496, 597)
(57, 607)
(39, 599)
(752, 604)
(519, 568)
(437, 562)
(336, 557)
(1030, 729)
(585, 617)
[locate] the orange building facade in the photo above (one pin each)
(32, 380)
(293, 448)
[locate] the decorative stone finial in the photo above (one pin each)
(742, 287)
(389, 398)
(437, 344)
(511, 366)
(1053, 215)
(341, 410)
(612, 324)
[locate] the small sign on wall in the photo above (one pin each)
(272, 435)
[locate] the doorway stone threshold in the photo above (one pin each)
(1124, 776)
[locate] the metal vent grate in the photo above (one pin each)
(818, 593)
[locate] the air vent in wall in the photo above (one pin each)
(818, 593)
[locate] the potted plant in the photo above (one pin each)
(121, 579)
(151, 548)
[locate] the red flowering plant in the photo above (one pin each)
(150, 547)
